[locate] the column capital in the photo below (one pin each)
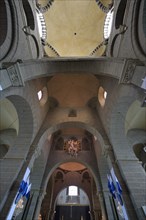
(133, 72)
(15, 75)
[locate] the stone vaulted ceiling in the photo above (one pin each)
(74, 27)
(73, 90)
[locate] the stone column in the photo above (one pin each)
(104, 194)
(92, 215)
(105, 207)
(9, 167)
(52, 213)
(38, 205)
(32, 206)
(136, 182)
(125, 193)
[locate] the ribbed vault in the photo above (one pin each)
(74, 28)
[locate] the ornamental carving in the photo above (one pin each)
(129, 71)
(15, 75)
(72, 147)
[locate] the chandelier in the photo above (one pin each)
(72, 147)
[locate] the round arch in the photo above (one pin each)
(123, 149)
(17, 153)
(44, 143)
(25, 131)
(125, 96)
(47, 132)
(68, 179)
(78, 187)
(89, 167)
(75, 183)
(77, 192)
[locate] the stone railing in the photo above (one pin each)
(98, 47)
(108, 24)
(43, 25)
(103, 7)
(45, 43)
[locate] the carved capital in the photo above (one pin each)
(36, 154)
(105, 153)
(14, 73)
(42, 194)
(128, 71)
(100, 196)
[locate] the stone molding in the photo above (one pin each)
(37, 153)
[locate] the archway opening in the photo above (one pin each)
(135, 117)
(70, 194)
(140, 152)
(9, 126)
(102, 95)
(72, 203)
(64, 170)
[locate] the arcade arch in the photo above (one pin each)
(9, 126)
(14, 158)
(77, 204)
(65, 175)
(51, 159)
(122, 144)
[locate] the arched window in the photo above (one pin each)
(41, 25)
(105, 94)
(43, 95)
(73, 191)
(72, 195)
(29, 14)
(140, 152)
(108, 23)
(40, 94)
(3, 150)
(102, 95)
